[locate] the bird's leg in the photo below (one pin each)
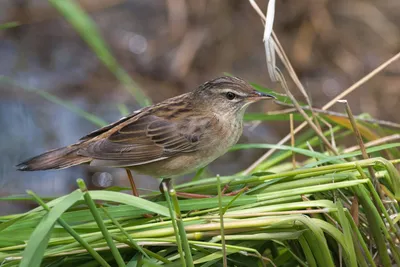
(132, 182)
(134, 190)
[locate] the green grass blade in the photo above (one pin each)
(123, 110)
(307, 252)
(9, 223)
(130, 200)
(72, 232)
(34, 251)
(9, 25)
(271, 117)
(354, 154)
(133, 262)
(20, 197)
(365, 251)
(134, 243)
(100, 223)
(230, 249)
(221, 220)
(56, 100)
(181, 228)
(348, 253)
(87, 29)
(80, 112)
(302, 141)
(122, 198)
(375, 223)
(174, 224)
(305, 152)
(317, 242)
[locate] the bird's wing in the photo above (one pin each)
(110, 126)
(147, 139)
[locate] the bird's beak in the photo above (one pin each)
(256, 95)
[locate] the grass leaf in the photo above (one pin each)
(87, 29)
(36, 246)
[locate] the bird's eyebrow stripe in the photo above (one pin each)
(233, 91)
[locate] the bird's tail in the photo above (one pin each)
(55, 159)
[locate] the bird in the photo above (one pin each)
(166, 140)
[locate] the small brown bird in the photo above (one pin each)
(168, 139)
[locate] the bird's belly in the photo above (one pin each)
(174, 166)
(211, 149)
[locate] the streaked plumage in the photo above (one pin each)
(171, 138)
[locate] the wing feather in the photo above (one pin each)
(149, 138)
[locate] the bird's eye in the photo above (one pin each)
(230, 95)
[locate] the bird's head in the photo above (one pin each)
(228, 95)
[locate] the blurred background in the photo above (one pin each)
(168, 48)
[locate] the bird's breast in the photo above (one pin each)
(224, 135)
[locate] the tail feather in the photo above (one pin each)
(55, 159)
